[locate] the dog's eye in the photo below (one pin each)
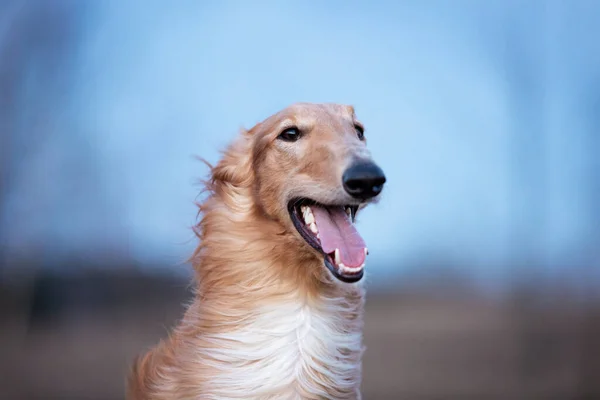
(290, 134)
(360, 132)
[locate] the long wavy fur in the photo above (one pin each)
(267, 321)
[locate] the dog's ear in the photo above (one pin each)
(235, 167)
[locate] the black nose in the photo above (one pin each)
(363, 180)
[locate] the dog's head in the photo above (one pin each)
(308, 169)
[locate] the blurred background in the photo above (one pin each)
(484, 272)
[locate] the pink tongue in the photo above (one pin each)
(337, 232)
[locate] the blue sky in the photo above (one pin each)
(435, 83)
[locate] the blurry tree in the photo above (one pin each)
(34, 42)
(525, 75)
(591, 97)
(525, 69)
(8, 13)
(589, 341)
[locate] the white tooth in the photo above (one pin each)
(349, 212)
(303, 209)
(366, 251)
(313, 228)
(350, 270)
(337, 257)
(318, 236)
(309, 218)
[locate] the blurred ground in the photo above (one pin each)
(73, 337)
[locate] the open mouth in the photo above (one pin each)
(330, 230)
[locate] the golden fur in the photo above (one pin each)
(256, 276)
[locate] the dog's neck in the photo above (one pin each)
(268, 316)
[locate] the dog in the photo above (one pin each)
(278, 309)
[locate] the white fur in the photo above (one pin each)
(281, 352)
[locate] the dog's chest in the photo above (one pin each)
(289, 351)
